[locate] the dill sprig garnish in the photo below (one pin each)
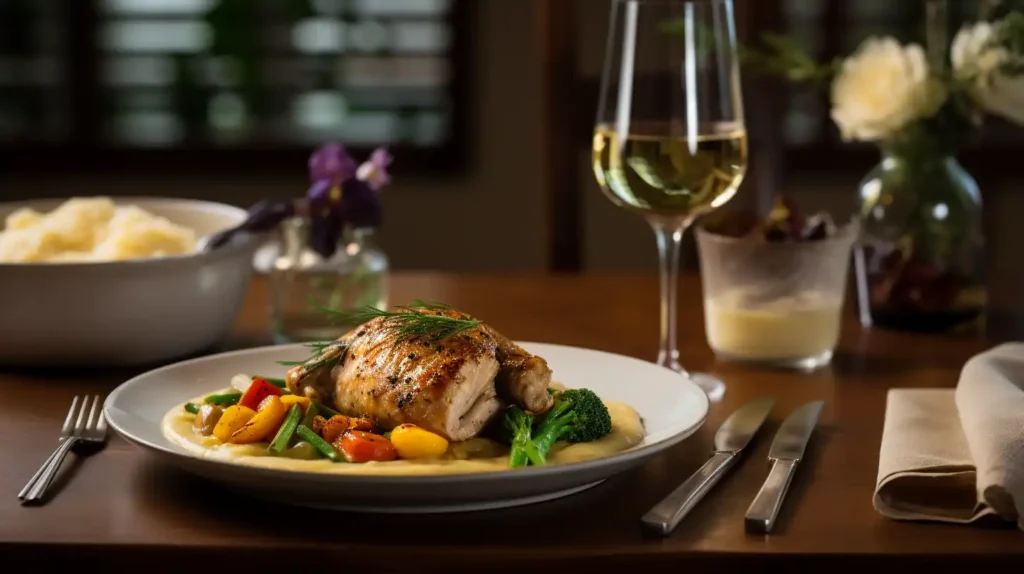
(317, 357)
(410, 320)
(433, 305)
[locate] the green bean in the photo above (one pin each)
(226, 399)
(326, 411)
(311, 412)
(287, 430)
(322, 446)
(192, 408)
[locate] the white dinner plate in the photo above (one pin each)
(672, 408)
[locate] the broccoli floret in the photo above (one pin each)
(517, 428)
(578, 415)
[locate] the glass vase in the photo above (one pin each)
(302, 282)
(920, 262)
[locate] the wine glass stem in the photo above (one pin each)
(670, 240)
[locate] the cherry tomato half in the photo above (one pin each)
(360, 446)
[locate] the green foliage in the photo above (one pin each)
(703, 38)
(783, 56)
(1009, 36)
(992, 10)
(778, 55)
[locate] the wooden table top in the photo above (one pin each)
(119, 506)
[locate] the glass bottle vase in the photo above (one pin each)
(920, 263)
(301, 280)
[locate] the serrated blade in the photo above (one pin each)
(741, 426)
(794, 434)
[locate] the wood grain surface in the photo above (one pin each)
(120, 509)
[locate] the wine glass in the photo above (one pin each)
(670, 142)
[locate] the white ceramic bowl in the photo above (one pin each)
(126, 312)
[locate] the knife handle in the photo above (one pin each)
(762, 512)
(667, 514)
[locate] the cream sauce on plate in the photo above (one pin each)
(471, 456)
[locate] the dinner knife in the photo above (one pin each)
(730, 440)
(786, 452)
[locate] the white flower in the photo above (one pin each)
(883, 88)
(971, 54)
(975, 58)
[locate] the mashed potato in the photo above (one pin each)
(91, 229)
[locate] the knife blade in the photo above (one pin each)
(730, 440)
(786, 452)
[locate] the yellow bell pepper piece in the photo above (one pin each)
(290, 400)
(234, 418)
(264, 424)
(412, 442)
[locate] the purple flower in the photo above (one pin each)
(318, 193)
(343, 196)
(332, 162)
(325, 230)
(375, 170)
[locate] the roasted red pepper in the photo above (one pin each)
(257, 391)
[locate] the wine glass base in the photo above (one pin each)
(713, 386)
(710, 384)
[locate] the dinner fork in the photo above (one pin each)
(77, 429)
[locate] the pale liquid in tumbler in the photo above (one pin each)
(786, 328)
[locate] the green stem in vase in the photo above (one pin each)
(937, 33)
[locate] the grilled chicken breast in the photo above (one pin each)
(453, 386)
(523, 378)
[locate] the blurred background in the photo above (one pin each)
(488, 104)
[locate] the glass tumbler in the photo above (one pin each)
(776, 304)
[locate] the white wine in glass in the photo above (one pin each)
(670, 142)
(654, 168)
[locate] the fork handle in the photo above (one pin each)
(49, 470)
(39, 472)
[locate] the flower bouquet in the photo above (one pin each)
(919, 264)
(895, 94)
(342, 196)
(326, 257)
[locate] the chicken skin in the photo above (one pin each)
(453, 386)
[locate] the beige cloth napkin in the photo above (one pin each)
(957, 455)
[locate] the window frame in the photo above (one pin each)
(83, 151)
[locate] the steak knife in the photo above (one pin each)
(786, 452)
(730, 440)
